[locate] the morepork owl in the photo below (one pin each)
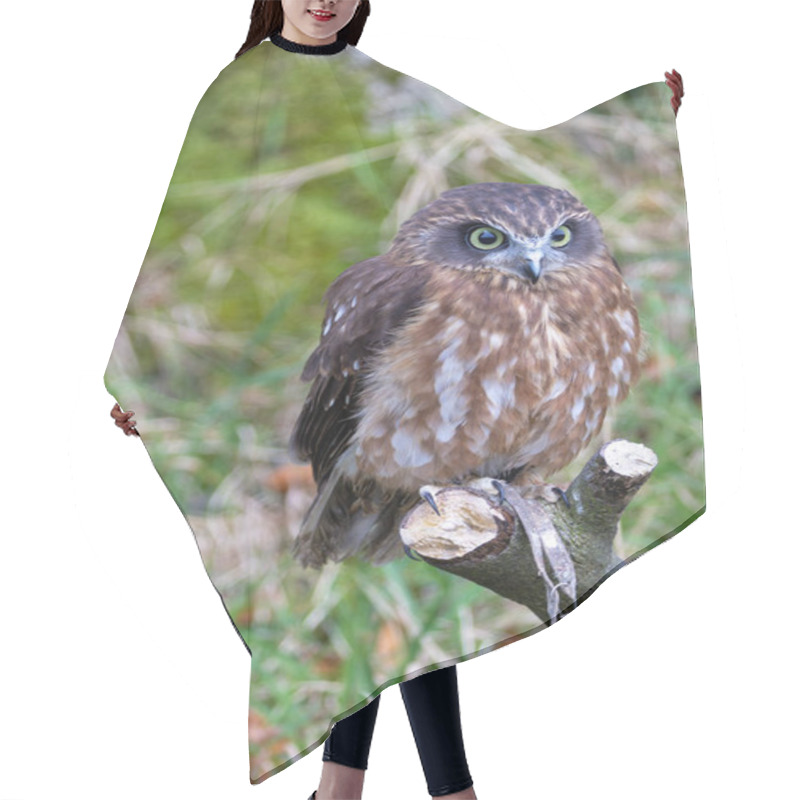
(494, 335)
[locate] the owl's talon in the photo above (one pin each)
(501, 492)
(426, 495)
(410, 553)
(563, 495)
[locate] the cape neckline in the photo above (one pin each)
(308, 49)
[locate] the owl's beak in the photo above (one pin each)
(533, 266)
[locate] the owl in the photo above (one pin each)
(491, 338)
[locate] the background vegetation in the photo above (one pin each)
(290, 174)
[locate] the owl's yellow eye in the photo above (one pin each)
(561, 236)
(486, 238)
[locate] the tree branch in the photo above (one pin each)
(525, 547)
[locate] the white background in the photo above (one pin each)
(120, 675)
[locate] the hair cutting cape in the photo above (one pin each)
(295, 167)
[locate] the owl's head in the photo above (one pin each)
(522, 229)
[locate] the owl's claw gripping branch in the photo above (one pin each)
(546, 556)
(547, 547)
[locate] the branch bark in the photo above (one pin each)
(519, 548)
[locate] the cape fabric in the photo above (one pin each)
(296, 166)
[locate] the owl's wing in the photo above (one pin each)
(366, 305)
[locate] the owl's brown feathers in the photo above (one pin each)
(453, 356)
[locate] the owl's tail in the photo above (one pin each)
(349, 518)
